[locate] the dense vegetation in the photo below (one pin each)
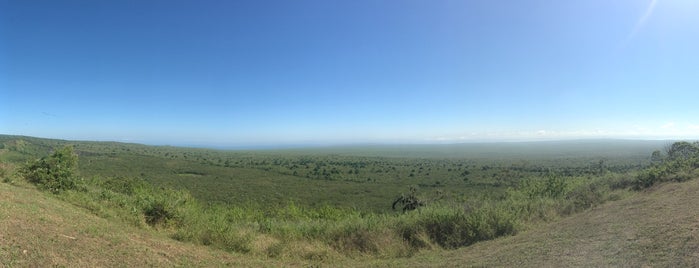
(326, 203)
(679, 163)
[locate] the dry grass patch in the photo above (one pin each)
(38, 230)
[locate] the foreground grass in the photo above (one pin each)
(653, 227)
(656, 227)
(37, 230)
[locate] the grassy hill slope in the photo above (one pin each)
(38, 230)
(656, 227)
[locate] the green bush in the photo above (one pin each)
(583, 197)
(620, 181)
(55, 173)
(3, 174)
(647, 178)
(211, 226)
(551, 187)
(683, 150)
(355, 238)
(157, 213)
(124, 185)
(161, 207)
(680, 165)
(453, 227)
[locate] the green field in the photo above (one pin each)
(367, 178)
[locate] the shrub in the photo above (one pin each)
(683, 150)
(680, 165)
(122, 185)
(408, 201)
(657, 157)
(157, 213)
(359, 239)
(162, 206)
(413, 234)
(620, 181)
(3, 174)
(54, 173)
(551, 187)
(583, 197)
(453, 227)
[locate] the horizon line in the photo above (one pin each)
(313, 145)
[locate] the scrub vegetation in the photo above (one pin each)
(322, 204)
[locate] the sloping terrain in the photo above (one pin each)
(37, 230)
(656, 227)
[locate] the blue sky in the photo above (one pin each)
(223, 73)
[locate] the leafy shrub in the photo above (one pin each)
(680, 165)
(413, 234)
(408, 201)
(583, 197)
(359, 239)
(657, 157)
(54, 173)
(551, 187)
(453, 227)
(162, 206)
(124, 185)
(157, 213)
(3, 174)
(211, 226)
(620, 181)
(683, 150)
(648, 177)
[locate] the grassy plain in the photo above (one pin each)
(367, 178)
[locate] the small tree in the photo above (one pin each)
(656, 157)
(408, 201)
(682, 150)
(3, 173)
(55, 172)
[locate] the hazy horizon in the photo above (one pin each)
(379, 145)
(279, 73)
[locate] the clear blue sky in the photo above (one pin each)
(327, 72)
